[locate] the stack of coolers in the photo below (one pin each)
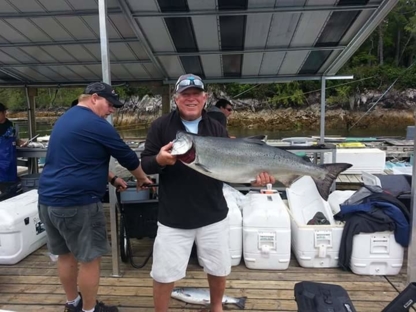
(21, 231)
(266, 231)
(317, 237)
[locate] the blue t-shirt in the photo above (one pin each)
(191, 126)
(76, 165)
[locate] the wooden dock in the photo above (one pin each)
(32, 285)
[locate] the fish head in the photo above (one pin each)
(177, 292)
(182, 144)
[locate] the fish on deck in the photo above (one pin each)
(201, 296)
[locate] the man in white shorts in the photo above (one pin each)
(192, 207)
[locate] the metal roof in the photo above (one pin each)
(58, 41)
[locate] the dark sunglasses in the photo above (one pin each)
(229, 109)
(189, 82)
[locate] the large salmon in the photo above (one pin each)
(241, 160)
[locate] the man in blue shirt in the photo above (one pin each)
(71, 187)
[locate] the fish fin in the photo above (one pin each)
(261, 137)
(241, 302)
(324, 186)
(253, 141)
(203, 167)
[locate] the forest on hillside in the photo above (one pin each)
(389, 53)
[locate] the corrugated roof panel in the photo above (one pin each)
(66, 72)
(257, 30)
(122, 51)
(122, 26)
(95, 69)
(55, 5)
(206, 32)
(32, 74)
(251, 64)
(94, 24)
(48, 72)
(7, 59)
(329, 61)
(172, 66)
(84, 72)
(138, 50)
(261, 4)
(59, 54)
(19, 55)
(282, 3)
(157, 34)
(27, 6)
(271, 63)
(143, 5)
(137, 71)
(196, 5)
(28, 29)
(10, 34)
(52, 28)
(282, 29)
(292, 63)
(94, 49)
(112, 4)
(5, 7)
(120, 71)
(152, 71)
(83, 4)
(80, 53)
(211, 65)
(38, 54)
(77, 27)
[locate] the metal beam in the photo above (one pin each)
(89, 63)
(63, 43)
(288, 9)
(376, 18)
(248, 51)
(252, 11)
(57, 13)
(140, 35)
(267, 79)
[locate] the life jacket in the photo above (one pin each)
(8, 160)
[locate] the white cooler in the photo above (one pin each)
(21, 231)
(371, 160)
(318, 245)
(314, 246)
(266, 232)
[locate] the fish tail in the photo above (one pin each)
(333, 170)
(241, 302)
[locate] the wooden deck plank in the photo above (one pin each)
(32, 285)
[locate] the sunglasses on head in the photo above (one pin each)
(189, 82)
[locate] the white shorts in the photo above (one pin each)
(172, 249)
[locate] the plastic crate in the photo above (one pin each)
(30, 181)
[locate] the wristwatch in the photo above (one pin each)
(113, 180)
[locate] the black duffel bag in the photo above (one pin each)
(320, 297)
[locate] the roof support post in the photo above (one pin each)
(106, 70)
(323, 101)
(31, 93)
(165, 99)
(411, 252)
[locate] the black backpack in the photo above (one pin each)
(319, 297)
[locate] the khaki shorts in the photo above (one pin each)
(172, 249)
(80, 230)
